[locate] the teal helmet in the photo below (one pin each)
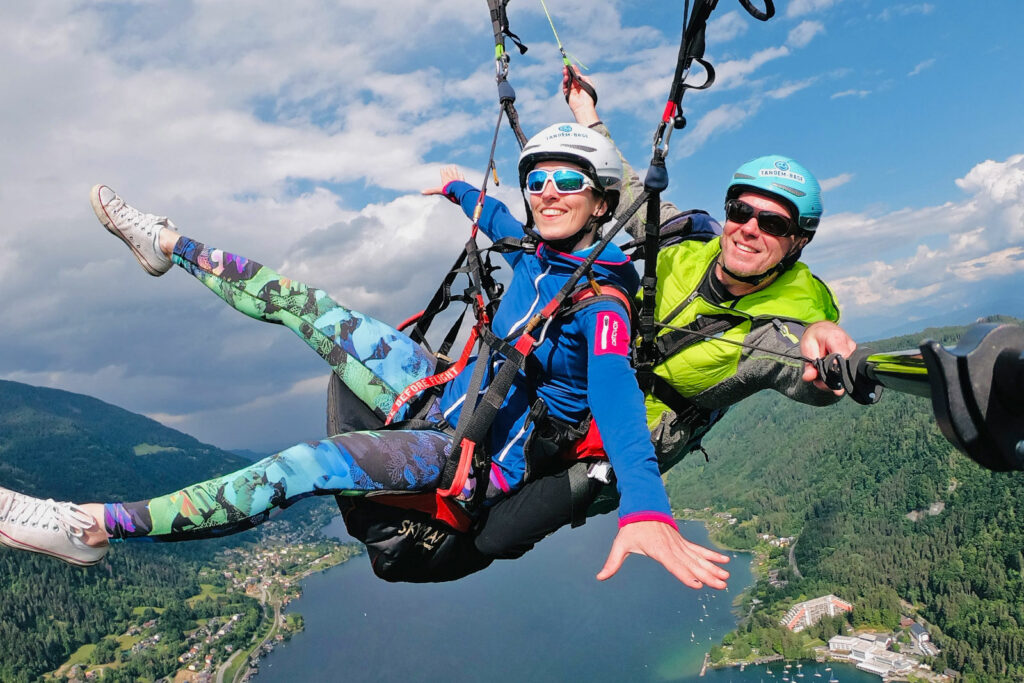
(784, 179)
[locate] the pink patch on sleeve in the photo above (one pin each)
(611, 334)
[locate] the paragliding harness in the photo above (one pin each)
(652, 350)
(393, 534)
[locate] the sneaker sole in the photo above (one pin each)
(108, 223)
(18, 545)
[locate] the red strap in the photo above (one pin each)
(524, 344)
(670, 111)
(606, 290)
(449, 512)
(462, 473)
(410, 320)
(432, 381)
(590, 446)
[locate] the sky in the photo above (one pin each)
(300, 135)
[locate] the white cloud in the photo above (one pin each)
(904, 9)
(733, 72)
(932, 256)
(804, 33)
(926, 64)
(876, 289)
(999, 263)
(1000, 181)
(720, 119)
(832, 183)
(727, 26)
(798, 8)
(850, 93)
(788, 89)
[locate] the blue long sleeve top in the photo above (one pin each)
(581, 364)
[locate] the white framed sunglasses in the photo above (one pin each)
(566, 180)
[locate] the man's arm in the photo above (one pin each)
(777, 364)
(585, 113)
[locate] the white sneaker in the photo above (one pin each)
(140, 231)
(44, 526)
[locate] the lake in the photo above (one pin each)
(540, 618)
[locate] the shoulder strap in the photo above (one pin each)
(593, 293)
(674, 341)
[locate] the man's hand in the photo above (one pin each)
(819, 340)
(690, 563)
(582, 105)
(448, 174)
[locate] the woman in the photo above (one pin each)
(570, 175)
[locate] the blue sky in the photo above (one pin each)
(300, 137)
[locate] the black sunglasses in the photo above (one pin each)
(770, 222)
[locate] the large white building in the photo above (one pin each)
(807, 613)
(870, 654)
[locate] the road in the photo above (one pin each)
(242, 652)
(792, 559)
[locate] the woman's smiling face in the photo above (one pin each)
(557, 215)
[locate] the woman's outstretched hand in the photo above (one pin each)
(448, 174)
(692, 564)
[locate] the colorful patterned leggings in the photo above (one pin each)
(374, 360)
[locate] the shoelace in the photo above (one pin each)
(129, 214)
(28, 511)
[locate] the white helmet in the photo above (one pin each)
(579, 145)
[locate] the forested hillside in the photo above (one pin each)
(74, 447)
(884, 509)
(69, 446)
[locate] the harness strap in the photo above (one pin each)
(657, 177)
(579, 487)
(476, 419)
(595, 293)
(434, 380)
(677, 339)
(683, 407)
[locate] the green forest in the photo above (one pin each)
(101, 452)
(849, 481)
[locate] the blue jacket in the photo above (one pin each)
(582, 364)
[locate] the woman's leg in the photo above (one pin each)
(356, 463)
(373, 359)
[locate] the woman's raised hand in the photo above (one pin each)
(448, 174)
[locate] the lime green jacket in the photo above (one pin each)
(715, 374)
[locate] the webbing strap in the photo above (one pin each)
(434, 380)
(476, 416)
(685, 409)
(579, 488)
(677, 339)
(649, 282)
(439, 302)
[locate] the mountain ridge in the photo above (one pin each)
(100, 451)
